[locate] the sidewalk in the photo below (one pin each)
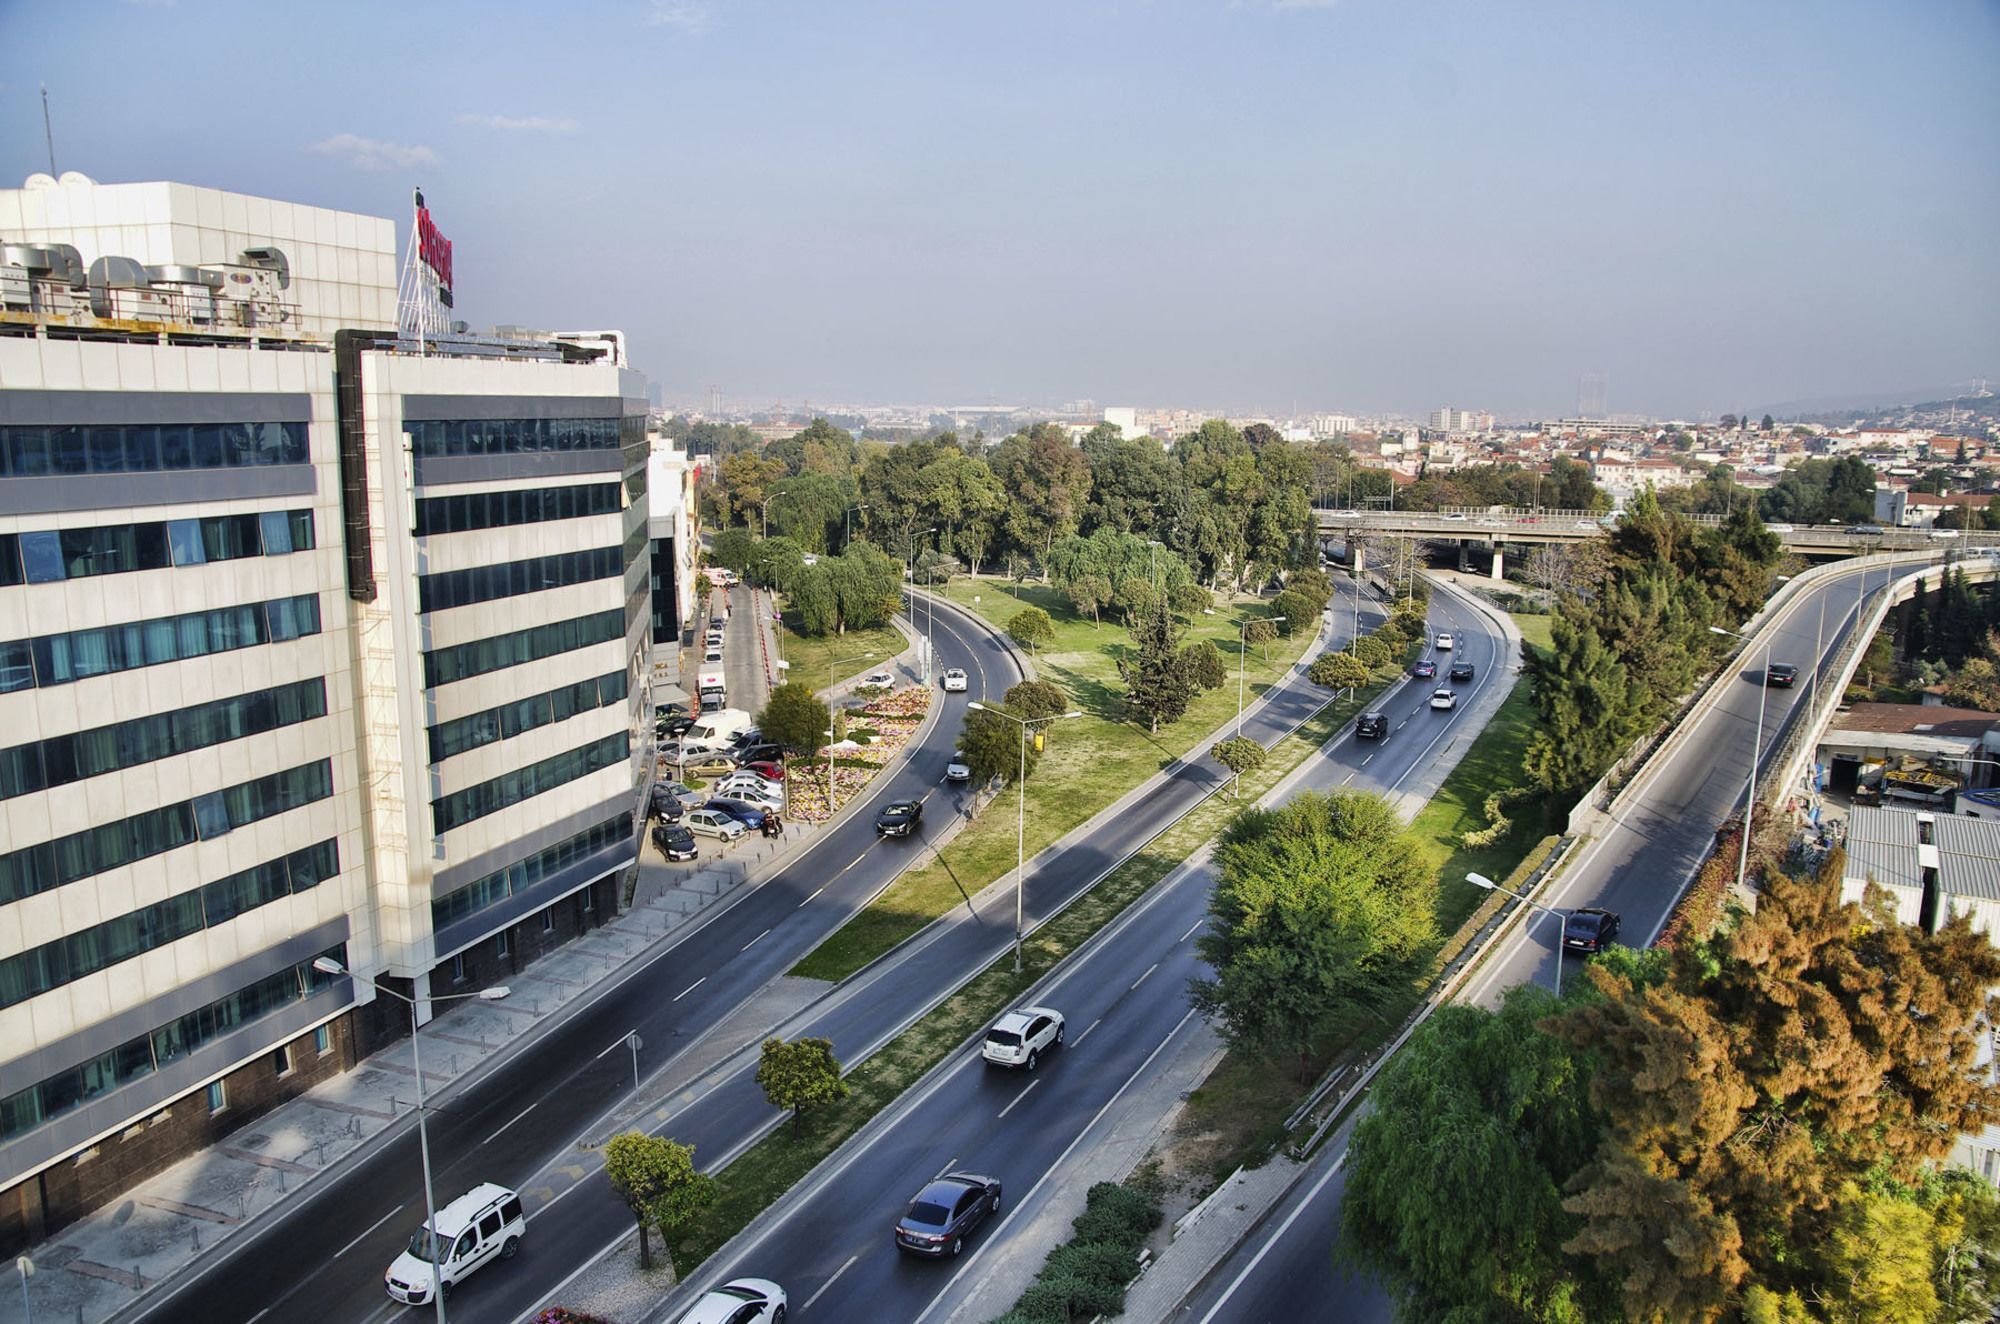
(103, 1264)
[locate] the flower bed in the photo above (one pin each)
(893, 718)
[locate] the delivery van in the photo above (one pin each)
(716, 731)
(483, 1225)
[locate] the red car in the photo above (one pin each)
(769, 771)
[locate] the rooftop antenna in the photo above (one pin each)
(48, 133)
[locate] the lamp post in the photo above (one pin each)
(1020, 811)
(1562, 918)
(832, 670)
(1242, 659)
(26, 1268)
(847, 524)
(1756, 739)
(326, 965)
(913, 550)
(1154, 574)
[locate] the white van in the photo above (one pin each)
(484, 1224)
(716, 730)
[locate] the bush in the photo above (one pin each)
(1086, 1276)
(1312, 582)
(1375, 651)
(1116, 1213)
(563, 1315)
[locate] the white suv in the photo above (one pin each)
(1019, 1038)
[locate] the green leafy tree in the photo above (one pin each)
(1160, 682)
(1260, 632)
(703, 586)
(1031, 628)
(1373, 651)
(794, 717)
(1338, 671)
(1206, 663)
(1089, 593)
(867, 586)
(1190, 599)
(811, 602)
(799, 1075)
(1299, 610)
(657, 1180)
(1589, 705)
(1047, 482)
(734, 549)
(1239, 754)
(1135, 597)
(1035, 699)
(995, 747)
(1323, 909)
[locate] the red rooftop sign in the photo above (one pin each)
(432, 247)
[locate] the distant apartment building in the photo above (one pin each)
(1125, 419)
(1459, 420)
(1326, 426)
(318, 638)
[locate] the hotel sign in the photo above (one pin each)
(433, 249)
(423, 295)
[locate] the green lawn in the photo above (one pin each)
(1090, 762)
(810, 658)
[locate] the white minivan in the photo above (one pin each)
(484, 1224)
(716, 731)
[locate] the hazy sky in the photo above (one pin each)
(1371, 204)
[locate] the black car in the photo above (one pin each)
(899, 818)
(675, 842)
(1461, 671)
(1372, 726)
(763, 751)
(946, 1212)
(666, 806)
(1589, 929)
(676, 724)
(1424, 670)
(1781, 675)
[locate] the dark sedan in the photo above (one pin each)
(749, 815)
(1461, 671)
(675, 842)
(1782, 675)
(1590, 929)
(1424, 670)
(899, 818)
(946, 1212)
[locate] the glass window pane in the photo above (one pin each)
(41, 557)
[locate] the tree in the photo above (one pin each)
(1768, 425)
(867, 586)
(812, 601)
(1373, 652)
(1047, 481)
(656, 1179)
(1338, 671)
(800, 1075)
(794, 717)
(1589, 705)
(1031, 628)
(1323, 909)
(1190, 599)
(1299, 610)
(1239, 754)
(1160, 682)
(1035, 699)
(995, 747)
(734, 548)
(1260, 631)
(1205, 662)
(1089, 593)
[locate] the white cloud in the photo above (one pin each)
(520, 124)
(690, 16)
(373, 154)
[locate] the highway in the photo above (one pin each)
(1124, 996)
(1637, 868)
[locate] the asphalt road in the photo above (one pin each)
(1123, 997)
(1285, 1271)
(323, 1257)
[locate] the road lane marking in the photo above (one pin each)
(828, 1283)
(364, 1236)
(1265, 1249)
(1191, 928)
(754, 941)
(259, 1315)
(946, 1168)
(690, 988)
(1365, 762)
(530, 1108)
(1018, 1097)
(802, 903)
(1086, 1030)
(1142, 978)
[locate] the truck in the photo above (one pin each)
(714, 732)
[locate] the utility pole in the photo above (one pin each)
(48, 133)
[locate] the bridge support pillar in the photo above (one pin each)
(1499, 565)
(1357, 554)
(1464, 554)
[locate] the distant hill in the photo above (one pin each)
(1927, 409)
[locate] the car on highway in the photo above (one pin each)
(714, 823)
(1867, 530)
(1443, 700)
(880, 680)
(1455, 517)
(675, 842)
(1586, 524)
(1372, 726)
(749, 815)
(946, 1212)
(1781, 675)
(899, 818)
(1779, 528)
(1589, 929)
(1019, 1038)
(1944, 533)
(483, 1225)
(958, 770)
(1424, 670)
(1445, 642)
(955, 680)
(1343, 514)
(739, 1301)
(1461, 670)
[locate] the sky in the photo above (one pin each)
(1251, 206)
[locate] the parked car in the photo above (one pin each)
(681, 791)
(1589, 929)
(675, 724)
(749, 815)
(957, 770)
(1019, 1038)
(714, 823)
(749, 787)
(899, 818)
(739, 1301)
(946, 1212)
(955, 680)
(1461, 671)
(711, 765)
(1424, 670)
(1443, 700)
(712, 652)
(761, 751)
(675, 842)
(1372, 726)
(882, 679)
(1781, 675)
(769, 769)
(1445, 641)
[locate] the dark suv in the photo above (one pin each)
(1372, 726)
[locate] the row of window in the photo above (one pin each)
(493, 510)
(484, 583)
(58, 659)
(51, 864)
(35, 451)
(442, 666)
(523, 874)
(62, 760)
(53, 555)
(510, 436)
(138, 1058)
(71, 957)
(511, 719)
(490, 797)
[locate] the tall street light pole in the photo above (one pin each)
(1756, 739)
(1562, 918)
(1020, 812)
(832, 670)
(847, 524)
(1242, 659)
(326, 965)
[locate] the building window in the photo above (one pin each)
(458, 968)
(431, 438)
(485, 583)
(218, 1096)
(521, 715)
(281, 1061)
(500, 943)
(521, 875)
(41, 452)
(58, 659)
(323, 1040)
(494, 510)
(590, 900)
(549, 920)
(502, 792)
(442, 666)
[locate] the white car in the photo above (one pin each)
(1455, 517)
(1779, 528)
(739, 1301)
(1445, 642)
(878, 679)
(713, 823)
(749, 786)
(1019, 1038)
(1444, 700)
(1345, 514)
(956, 770)
(955, 681)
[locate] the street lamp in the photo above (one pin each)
(1020, 811)
(1154, 574)
(847, 524)
(1242, 658)
(1562, 918)
(326, 965)
(832, 670)
(1756, 739)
